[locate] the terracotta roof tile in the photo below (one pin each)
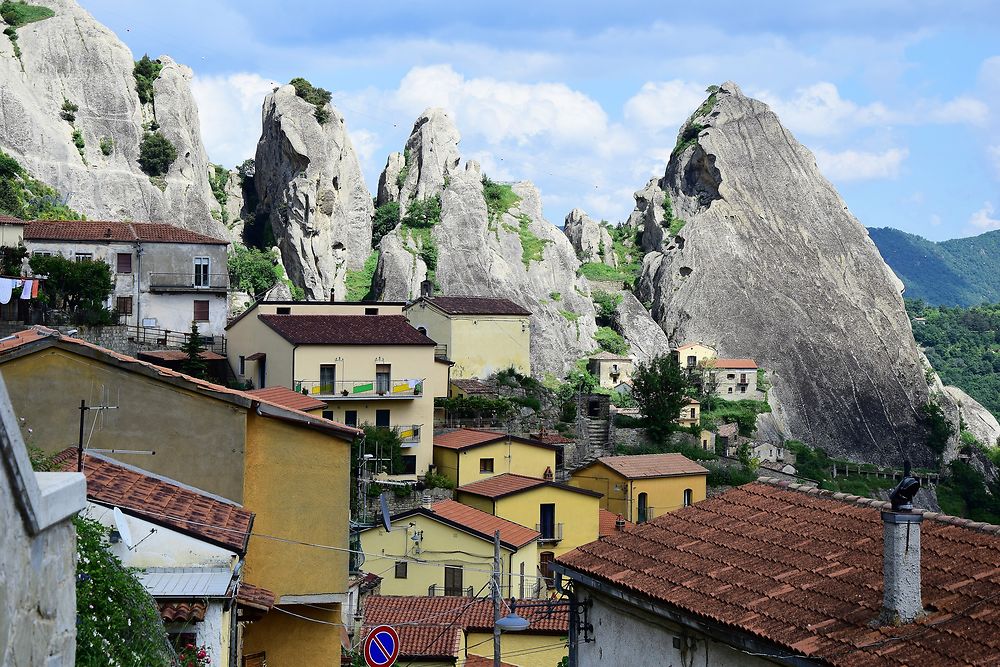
(484, 523)
(10, 220)
(345, 329)
(288, 398)
(608, 523)
(254, 596)
(652, 465)
(509, 483)
(481, 661)
(465, 438)
(438, 640)
(162, 501)
(474, 386)
(804, 570)
(177, 611)
(734, 364)
(177, 355)
(476, 305)
(103, 230)
(470, 614)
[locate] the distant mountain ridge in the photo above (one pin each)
(958, 272)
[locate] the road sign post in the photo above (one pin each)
(381, 647)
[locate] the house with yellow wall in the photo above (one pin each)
(290, 468)
(693, 355)
(446, 548)
(482, 335)
(566, 516)
(643, 486)
(370, 368)
(690, 414)
(611, 370)
(466, 455)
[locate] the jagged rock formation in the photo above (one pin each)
(71, 57)
(515, 254)
(590, 239)
(644, 337)
(309, 184)
(979, 421)
(234, 213)
(770, 264)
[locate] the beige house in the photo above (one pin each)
(364, 360)
(732, 379)
(690, 413)
(693, 355)
(611, 370)
(482, 335)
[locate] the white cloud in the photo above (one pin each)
(959, 110)
(983, 220)
(852, 165)
(819, 110)
(229, 109)
(663, 105)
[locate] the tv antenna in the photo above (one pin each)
(101, 410)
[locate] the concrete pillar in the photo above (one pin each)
(901, 601)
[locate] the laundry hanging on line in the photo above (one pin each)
(29, 288)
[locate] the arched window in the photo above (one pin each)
(687, 497)
(422, 330)
(643, 507)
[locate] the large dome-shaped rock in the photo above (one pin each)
(979, 421)
(72, 58)
(770, 264)
(310, 186)
(591, 240)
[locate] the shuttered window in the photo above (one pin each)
(123, 305)
(200, 310)
(124, 264)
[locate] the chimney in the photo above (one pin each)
(426, 288)
(620, 523)
(426, 500)
(901, 601)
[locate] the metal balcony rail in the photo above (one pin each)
(188, 280)
(368, 389)
(168, 338)
(409, 434)
(549, 532)
(437, 589)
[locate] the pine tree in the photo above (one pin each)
(194, 365)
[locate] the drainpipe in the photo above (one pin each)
(138, 284)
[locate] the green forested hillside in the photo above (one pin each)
(963, 346)
(959, 272)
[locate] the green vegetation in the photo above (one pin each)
(24, 197)
(192, 348)
(965, 492)
(717, 411)
(660, 389)
(386, 219)
(107, 145)
(606, 303)
(417, 226)
(477, 407)
(963, 346)
(117, 622)
(81, 288)
(405, 171)
(729, 475)
(599, 272)
(156, 154)
(611, 341)
(570, 315)
(688, 136)
(252, 270)
(318, 97)
(79, 143)
(626, 245)
(939, 429)
(17, 14)
(532, 247)
(555, 296)
(423, 213)
(217, 179)
(673, 224)
(359, 283)
(146, 71)
(68, 111)
(433, 480)
(499, 197)
(958, 272)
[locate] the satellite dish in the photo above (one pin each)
(385, 511)
(123, 528)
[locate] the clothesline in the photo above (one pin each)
(8, 285)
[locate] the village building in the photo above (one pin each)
(226, 442)
(468, 387)
(772, 573)
(643, 486)
(482, 335)
(164, 276)
(693, 355)
(446, 548)
(611, 370)
(467, 455)
(734, 379)
(364, 361)
(690, 414)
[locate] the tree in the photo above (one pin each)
(193, 346)
(386, 220)
(156, 154)
(79, 287)
(252, 270)
(660, 389)
(939, 429)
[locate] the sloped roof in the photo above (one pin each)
(732, 364)
(425, 641)
(288, 398)
(467, 438)
(10, 220)
(474, 386)
(177, 355)
(254, 596)
(182, 612)
(638, 466)
(607, 522)
(802, 568)
(470, 614)
(162, 501)
(345, 329)
(104, 230)
(475, 305)
(484, 523)
(509, 484)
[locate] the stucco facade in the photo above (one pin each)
(611, 370)
(734, 384)
(511, 455)
(625, 496)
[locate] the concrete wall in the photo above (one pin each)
(612, 372)
(509, 456)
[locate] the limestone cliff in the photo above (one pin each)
(755, 253)
(310, 187)
(590, 239)
(72, 59)
(979, 421)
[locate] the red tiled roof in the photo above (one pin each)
(484, 523)
(438, 640)
(607, 523)
(177, 355)
(652, 465)
(162, 501)
(288, 398)
(177, 611)
(803, 570)
(345, 329)
(480, 661)
(20, 338)
(465, 438)
(10, 220)
(470, 614)
(735, 364)
(254, 596)
(102, 230)
(476, 305)
(474, 386)
(509, 483)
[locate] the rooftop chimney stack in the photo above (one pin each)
(901, 600)
(620, 523)
(427, 288)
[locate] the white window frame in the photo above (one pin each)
(207, 263)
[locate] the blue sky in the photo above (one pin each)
(898, 99)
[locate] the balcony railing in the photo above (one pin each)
(550, 532)
(188, 281)
(440, 351)
(361, 389)
(409, 435)
(436, 589)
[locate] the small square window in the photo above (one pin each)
(371, 311)
(123, 305)
(328, 414)
(83, 256)
(401, 569)
(729, 390)
(485, 465)
(284, 310)
(124, 262)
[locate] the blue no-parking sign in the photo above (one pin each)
(381, 646)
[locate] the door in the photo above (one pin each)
(327, 378)
(643, 507)
(351, 418)
(545, 565)
(547, 520)
(382, 378)
(261, 372)
(453, 580)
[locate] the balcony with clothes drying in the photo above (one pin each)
(377, 388)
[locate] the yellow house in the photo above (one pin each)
(447, 549)
(482, 335)
(290, 468)
(367, 368)
(466, 455)
(566, 516)
(466, 387)
(693, 355)
(690, 413)
(611, 370)
(643, 486)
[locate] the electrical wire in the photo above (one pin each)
(475, 599)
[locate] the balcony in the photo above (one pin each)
(186, 282)
(377, 389)
(435, 590)
(409, 434)
(550, 533)
(440, 351)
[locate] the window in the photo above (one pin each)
(200, 310)
(401, 569)
(643, 507)
(409, 465)
(371, 311)
(545, 559)
(351, 418)
(692, 361)
(743, 378)
(284, 310)
(693, 411)
(452, 579)
(243, 365)
(422, 330)
(83, 256)
(485, 465)
(328, 414)
(201, 271)
(123, 305)
(382, 378)
(382, 418)
(41, 253)
(687, 497)
(181, 639)
(729, 390)
(547, 520)
(743, 389)
(731, 376)
(327, 378)
(124, 263)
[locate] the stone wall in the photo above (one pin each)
(408, 502)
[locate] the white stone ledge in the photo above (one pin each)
(63, 494)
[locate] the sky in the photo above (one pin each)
(898, 99)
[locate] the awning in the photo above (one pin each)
(256, 356)
(173, 611)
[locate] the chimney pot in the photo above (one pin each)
(620, 523)
(901, 600)
(426, 288)
(426, 501)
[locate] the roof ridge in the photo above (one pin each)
(862, 501)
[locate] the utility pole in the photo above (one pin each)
(79, 444)
(496, 598)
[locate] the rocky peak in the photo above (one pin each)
(430, 156)
(590, 239)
